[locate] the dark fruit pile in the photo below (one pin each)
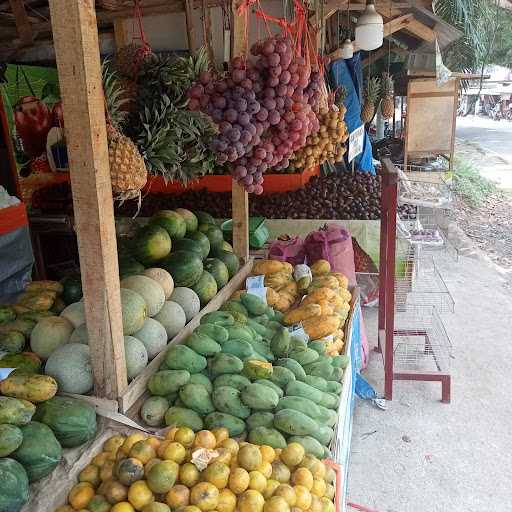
(264, 111)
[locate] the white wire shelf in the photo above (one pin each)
(425, 191)
(420, 342)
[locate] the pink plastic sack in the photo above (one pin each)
(289, 249)
(334, 244)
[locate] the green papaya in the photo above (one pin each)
(225, 363)
(301, 404)
(16, 411)
(323, 434)
(280, 343)
(254, 305)
(235, 425)
(271, 385)
(197, 398)
(310, 445)
(297, 344)
(239, 332)
(334, 387)
(239, 348)
(318, 346)
(316, 382)
(259, 397)
(233, 380)
(293, 366)
(222, 318)
(164, 382)
(227, 399)
(214, 331)
(202, 344)
(282, 376)
(182, 417)
(260, 419)
(304, 357)
(327, 416)
(294, 423)
(267, 436)
(199, 378)
(261, 348)
(258, 328)
(181, 357)
(235, 306)
(10, 439)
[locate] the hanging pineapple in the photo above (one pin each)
(387, 105)
(127, 170)
(371, 94)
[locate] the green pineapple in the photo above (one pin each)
(387, 105)
(371, 94)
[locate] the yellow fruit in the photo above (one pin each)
(217, 473)
(161, 449)
(221, 434)
(250, 501)
(276, 504)
(287, 492)
(231, 445)
(123, 506)
(319, 487)
(320, 267)
(106, 471)
(330, 475)
(150, 464)
(303, 497)
(112, 444)
(156, 507)
(329, 491)
(185, 436)
(293, 454)
(257, 481)
(115, 492)
(265, 469)
(188, 475)
(190, 508)
(162, 476)
(272, 485)
(178, 496)
(239, 480)
(91, 474)
(318, 470)
(267, 453)
(278, 451)
(65, 508)
(205, 439)
(131, 440)
(154, 442)
(316, 504)
(249, 457)
(171, 433)
(174, 451)
(280, 472)
(80, 495)
(303, 476)
(205, 496)
(129, 470)
(100, 459)
(139, 494)
(143, 451)
(227, 501)
(224, 455)
(327, 505)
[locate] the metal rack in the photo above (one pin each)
(424, 190)
(412, 339)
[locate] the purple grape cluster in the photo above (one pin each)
(262, 110)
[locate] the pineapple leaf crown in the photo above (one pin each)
(115, 95)
(388, 85)
(372, 89)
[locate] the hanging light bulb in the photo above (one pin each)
(370, 28)
(347, 49)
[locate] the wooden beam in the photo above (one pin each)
(420, 30)
(120, 34)
(382, 52)
(239, 196)
(207, 30)
(78, 62)
(23, 25)
(397, 24)
(191, 31)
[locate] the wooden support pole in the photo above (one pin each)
(191, 32)
(397, 24)
(239, 196)
(78, 62)
(23, 25)
(120, 35)
(207, 30)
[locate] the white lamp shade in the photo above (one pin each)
(370, 29)
(347, 49)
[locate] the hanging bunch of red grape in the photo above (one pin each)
(264, 110)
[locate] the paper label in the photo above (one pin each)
(255, 282)
(202, 457)
(301, 271)
(259, 292)
(5, 372)
(297, 331)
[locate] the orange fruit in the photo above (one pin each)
(178, 496)
(280, 472)
(303, 497)
(224, 455)
(319, 487)
(327, 505)
(80, 495)
(239, 480)
(190, 508)
(250, 501)
(265, 469)
(91, 474)
(150, 464)
(329, 491)
(171, 433)
(174, 451)
(161, 449)
(112, 444)
(205, 439)
(205, 496)
(100, 459)
(249, 457)
(217, 473)
(143, 451)
(276, 504)
(330, 475)
(131, 440)
(162, 476)
(257, 481)
(287, 492)
(316, 504)
(268, 453)
(156, 507)
(188, 475)
(318, 470)
(185, 436)
(303, 476)
(115, 492)
(139, 494)
(154, 442)
(221, 434)
(231, 445)
(227, 501)
(272, 485)
(122, 506)
(65, 508)
(293, 454)
(106, 471)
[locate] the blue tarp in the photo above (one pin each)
(349, 73)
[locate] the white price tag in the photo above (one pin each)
(5, 372)
(355, 143)
(259, 292)
(297, 331)
(255, 282)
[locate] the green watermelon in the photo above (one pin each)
(171, 221)
(206, 287)
(202, 239)
(218, 270)
(185, 267)
(226, 246)
(13, 485)
(204, 218)
(214, 234)
(190, 219)
(150, 244)
(129, 266)
(72, 289)
(230, 260)
(186, 244)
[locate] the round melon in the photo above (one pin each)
(70, 366)
(10, 439)
(185, 267)
(152, 293)
(163, 278)
(129, 266)
(202, 239)
(188, 300)
(134, 311)
(72, 289)
(14, 487)
(172, 317)
(171, 221)
(154, 337)
(214, 234)
(49, 334)
(230, 260)
(75, 313)
(206, 288)
(150, 244)
(218, 270)
(80, 335)
(186, 244)
(204, 218)
(226, 246)
(136, 356)
(190, 219)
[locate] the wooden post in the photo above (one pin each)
(23, 25)
(191, 32)
(239, 196)
(120, 35)
(75, 36)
